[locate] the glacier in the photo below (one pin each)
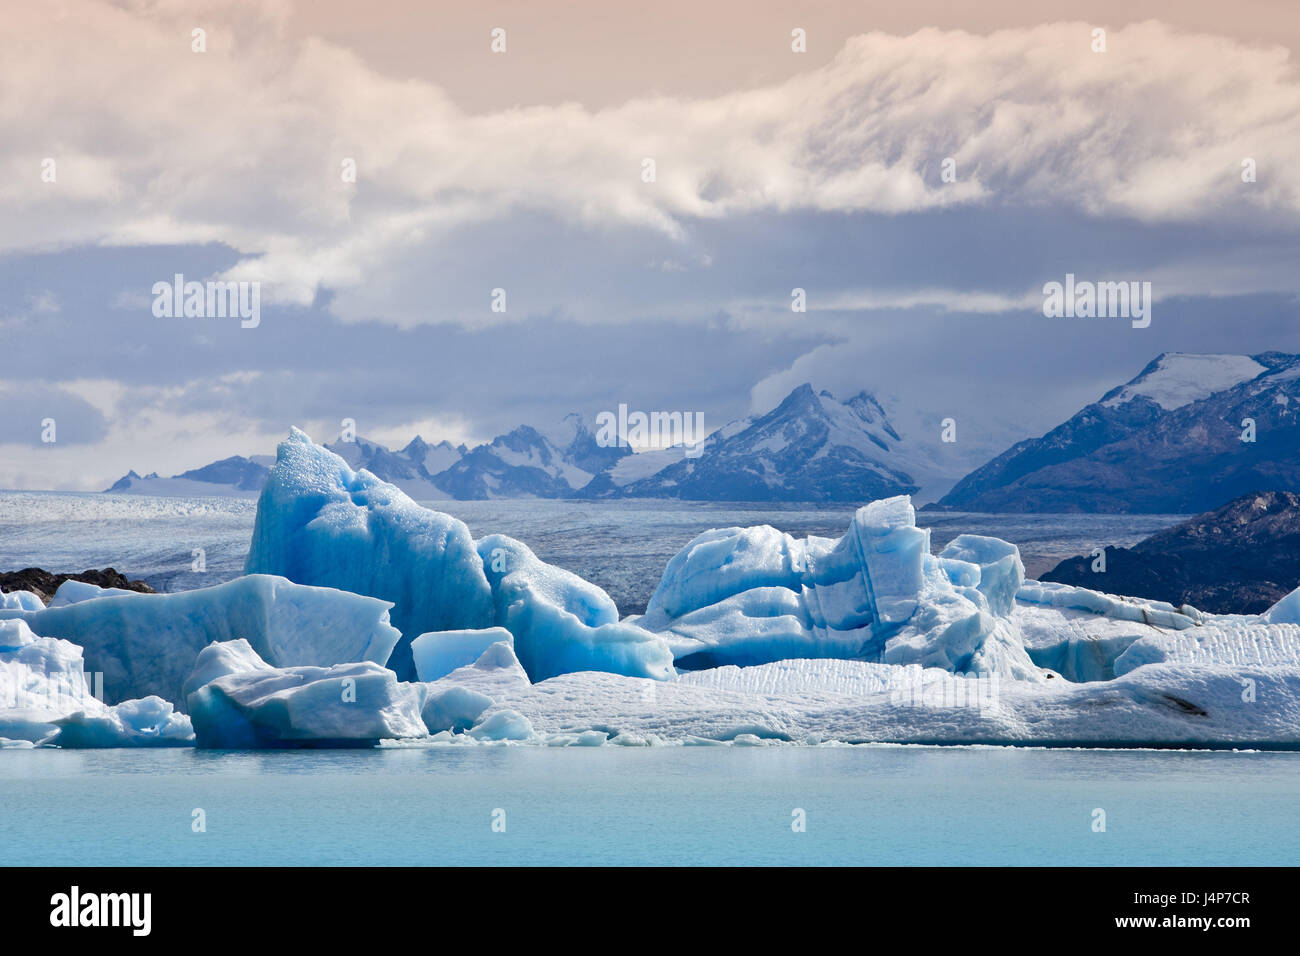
(365, 617)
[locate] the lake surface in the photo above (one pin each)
(621, 545)
(873, 805)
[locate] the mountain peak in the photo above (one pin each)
(1175, 379)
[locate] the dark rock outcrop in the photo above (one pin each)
(1239, 559)
(44, 583)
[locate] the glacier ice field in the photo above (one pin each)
(360, 618)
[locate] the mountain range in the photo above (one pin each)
(811, 447)
(1187, 434)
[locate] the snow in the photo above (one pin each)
(438, 653)
(154, 485)
(146, 644)
(643, 464)
(440, 457)
(259, 706)
(1180, 378)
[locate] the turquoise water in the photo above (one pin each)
(863, 805)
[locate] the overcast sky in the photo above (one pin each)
(523, 171)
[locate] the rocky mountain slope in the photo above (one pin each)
(1238, 559)
(1169, 441)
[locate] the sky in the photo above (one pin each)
(129, 155)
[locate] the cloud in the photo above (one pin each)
(244, 144)
(35, 412)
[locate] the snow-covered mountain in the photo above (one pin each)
(1171, 440)
(411, 469)
(523, 463)
(235, 476)
(408, 468)
(811, 447)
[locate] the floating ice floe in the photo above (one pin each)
(800, 701)
(238, 701)
(47, 698)
(146, 644)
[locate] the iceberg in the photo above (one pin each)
(438, 653)
(146, 644)
(752, 637)
(1001, 572)
(810, 701)
(562, 623)
(319, 522)
(454, 710)
(751, 596)
(46, 698)
(1227, 642)
(20, 601)
(504, 725)
(455, 702)
(148, 722)
(238, 701)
